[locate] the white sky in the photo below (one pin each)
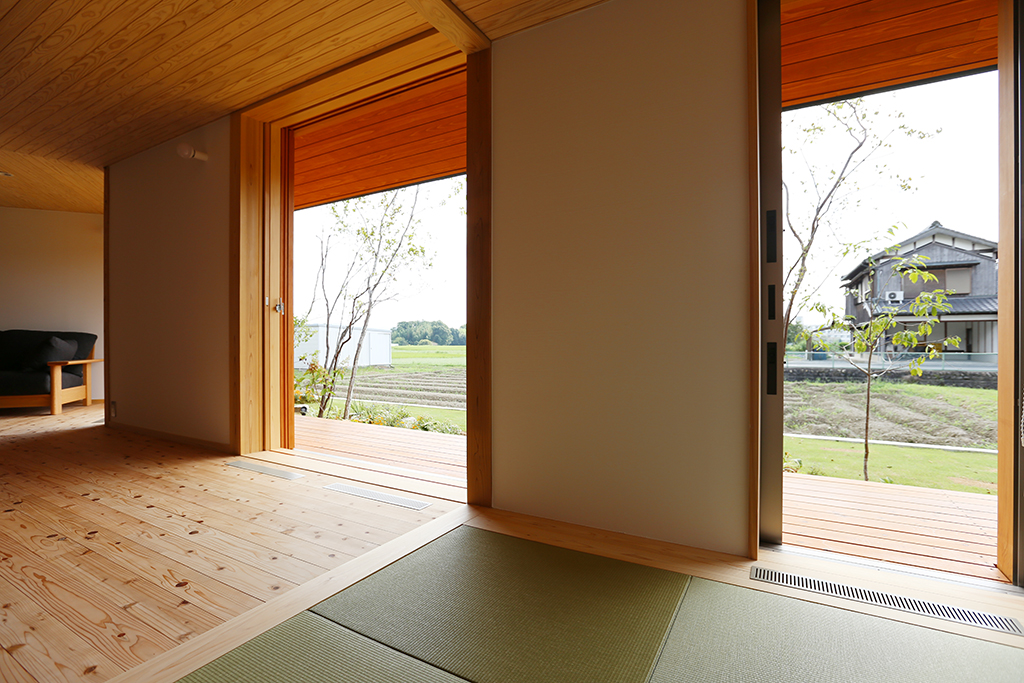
(955, 172)
(435, 294)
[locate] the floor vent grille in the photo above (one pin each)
(254, 467)
(923, 607)
(378, 496)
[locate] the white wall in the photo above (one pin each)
(620, 199)
(51, 274)
(169, 296)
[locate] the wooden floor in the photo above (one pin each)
(947, 531)
(116, 547)
(404, 459)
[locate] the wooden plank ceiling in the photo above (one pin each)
(411, 136)
(86, 83)
(837, 48)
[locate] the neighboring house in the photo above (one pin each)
(964, 265)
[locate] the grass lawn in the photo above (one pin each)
(930, 468)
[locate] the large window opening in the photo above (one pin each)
(890, 259)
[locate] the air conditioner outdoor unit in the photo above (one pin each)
(894, 296)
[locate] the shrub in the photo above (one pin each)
(397, 416)
(426, 342)
(399, 341)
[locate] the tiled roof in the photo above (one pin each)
(961, 305)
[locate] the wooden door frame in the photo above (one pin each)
(766, 489)
(261, 204)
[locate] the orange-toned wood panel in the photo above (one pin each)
(842, 48)
(405, 137)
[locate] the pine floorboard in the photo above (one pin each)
(117, 547)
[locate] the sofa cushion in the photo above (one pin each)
(16, 345)
(16, 383)
(53, 349)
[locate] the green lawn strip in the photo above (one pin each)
(925, 467)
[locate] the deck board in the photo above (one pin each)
(949, 531)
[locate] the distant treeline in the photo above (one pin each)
(410, 333)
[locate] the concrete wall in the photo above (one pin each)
(170, 287)
(51, 274)
(620, 190)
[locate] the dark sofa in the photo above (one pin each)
(41, 368)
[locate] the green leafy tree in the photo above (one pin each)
(378, 233)
(441, 334)
(879, 345)
(816, 190)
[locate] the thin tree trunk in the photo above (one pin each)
(867, 423)
(355, 359)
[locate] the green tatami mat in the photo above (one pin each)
(311, 649)
(496, 609)
(725, 633)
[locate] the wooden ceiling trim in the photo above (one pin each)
(244, 85)
(453, 24)
(119, 77)
(962, 58)
(31, 26)
(410, 108)
(410, 135)
(920, 45)
(77, 57)
(365, 79)
(499, 18)
(401, 176)
(215, 72)
(411, 143)
(838, 19)
(837, 49)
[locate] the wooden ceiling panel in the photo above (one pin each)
(40, 183)
(228, 75)
(410, 135)
(839, 48)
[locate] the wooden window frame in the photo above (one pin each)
(261, 216)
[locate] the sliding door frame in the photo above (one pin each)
(262, 211)
(766, 468)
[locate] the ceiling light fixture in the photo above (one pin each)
(187, 151)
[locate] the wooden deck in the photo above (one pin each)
(947, 531)
(116, 547)
(402, 459)
(939, 530)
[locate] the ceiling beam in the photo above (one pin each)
(452, 24)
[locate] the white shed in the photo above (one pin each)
(376, 347)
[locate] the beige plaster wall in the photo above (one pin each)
(620, 251)
(169, 288)
(51, 274)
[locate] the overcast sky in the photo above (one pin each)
(954, 172)
(438, 293)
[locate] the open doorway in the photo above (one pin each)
(377, 245)
(891, 302)
(835, 51)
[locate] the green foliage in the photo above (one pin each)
(415, 331)
(876, 345)
(426, 342)
(398, 341)
(399, 416)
